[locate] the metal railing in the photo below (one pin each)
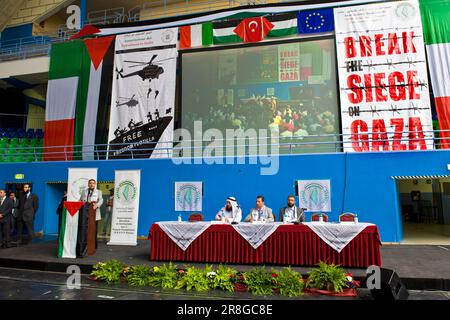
(23, 48)
(270, 145)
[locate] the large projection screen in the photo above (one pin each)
(289, 88)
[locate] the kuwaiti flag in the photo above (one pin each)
(68, 233)
(284, 24)
(436, 27)
(75, 77)
(196, 35)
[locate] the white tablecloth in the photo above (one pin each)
(183, 233)
(255, 234)
(337, 235)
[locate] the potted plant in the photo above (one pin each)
(195, 279)
(288, 282)
(164, 276)
(224, 278)
(110, 271)
(259, 281)
(138, 275)
(329, 279)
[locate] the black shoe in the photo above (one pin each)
(8, 245)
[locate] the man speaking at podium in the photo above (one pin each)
(87, 228)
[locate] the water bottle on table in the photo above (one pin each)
(320, 217)
(179, 217)
(356, 218)
(222, 217)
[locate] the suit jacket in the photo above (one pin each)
(28, 207)
(299, 213)
(6, 210)
(266, 213)
(96, 194)
(15, 209)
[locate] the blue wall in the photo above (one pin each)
(15, 33)
(366, 178)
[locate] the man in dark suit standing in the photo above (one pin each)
(28, 205)
(15, 202)
(292, 213)
(6, 207)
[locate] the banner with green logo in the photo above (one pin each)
(125, 208)
(314, 195)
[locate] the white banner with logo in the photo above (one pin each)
(188, 196)
(78, 181)
(315, 195)
(143, 94)
(125, 207)
(384, 92)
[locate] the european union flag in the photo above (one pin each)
(313, 21)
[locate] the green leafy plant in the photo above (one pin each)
(223, 278)
(195, 279)
(164, 276)
(259, 281)
(288, 281)
(327, 277)
(138, 275)
(110, 271)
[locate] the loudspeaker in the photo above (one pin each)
(391, 287)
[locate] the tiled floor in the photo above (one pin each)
(422, 233)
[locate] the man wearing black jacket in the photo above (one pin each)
(28, 205)
(6, 207)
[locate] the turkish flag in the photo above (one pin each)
(253, 29)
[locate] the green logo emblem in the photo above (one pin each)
(126, 192)
(188, 197)
(315, 196)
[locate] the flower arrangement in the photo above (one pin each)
(327, 279)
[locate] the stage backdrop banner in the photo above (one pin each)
(143, 94)
(188, 196)
(77, 182)
(314, 195)
(125, 208)
(385, 103)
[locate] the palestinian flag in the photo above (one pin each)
(73, 91)
(282, 25)
(436, 28)
(196, 35)
(68, 234)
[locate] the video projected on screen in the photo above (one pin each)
(289, 88)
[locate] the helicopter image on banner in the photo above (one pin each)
(131, 102)
(151, 70)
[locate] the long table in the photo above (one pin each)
(295, 245)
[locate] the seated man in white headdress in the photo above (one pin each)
(260, 213)
(231, 212)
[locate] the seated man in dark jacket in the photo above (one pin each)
(293, 213)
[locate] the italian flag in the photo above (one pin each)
(284, 24)
(436, 27)
(68, 234)
(75, 77)
(196, 35)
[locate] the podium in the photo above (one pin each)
(78, 231)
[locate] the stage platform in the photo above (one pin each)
(421, 267)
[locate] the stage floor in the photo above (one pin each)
(421, 267)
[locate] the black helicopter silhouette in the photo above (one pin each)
(151, 70)
(130, 103)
